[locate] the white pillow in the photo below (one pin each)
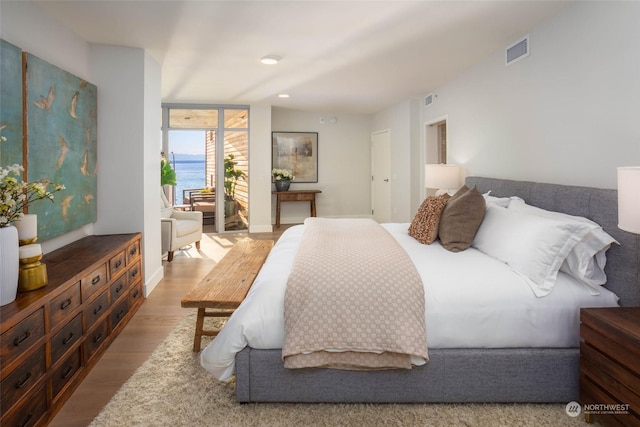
(534, 246)
(588, 258)
(499, 201)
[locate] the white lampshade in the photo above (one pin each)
(441, 176)
(629, 198)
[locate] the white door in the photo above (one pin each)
(380, 175)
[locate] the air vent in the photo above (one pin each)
(517, 51)
(428, 100)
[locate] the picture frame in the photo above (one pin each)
(297, 152)
(61, 144)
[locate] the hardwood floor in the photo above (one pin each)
(151, 324)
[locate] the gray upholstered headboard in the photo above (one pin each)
(599, 205)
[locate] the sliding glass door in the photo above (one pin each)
(209, 148)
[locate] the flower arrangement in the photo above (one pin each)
(16, 195)
(282, 174)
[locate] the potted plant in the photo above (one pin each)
(282, 179)
(231, 178)
(167, 174)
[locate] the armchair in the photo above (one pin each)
(178, 228)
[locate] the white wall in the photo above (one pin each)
(344, 164)
(402, 121)
(128, 82)
(151, 233)
(568, 113)
(259, 169)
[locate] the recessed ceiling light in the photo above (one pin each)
(283, 95)
(270, 60)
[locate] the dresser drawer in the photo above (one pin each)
(119, 287)
(117, 264)
(22, 336)
(66, 338)
(94, 281)
(22, 379)
(27, 414)
(135, 295)
(134, 273)
(97, 308)
(95, 338)
(119, 313)
(63, 305)
(63, 374)
(623, 385)
(133, 252)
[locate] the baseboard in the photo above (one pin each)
(153, 281)
(260, 228)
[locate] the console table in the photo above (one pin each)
(295, 196)
(50, 338)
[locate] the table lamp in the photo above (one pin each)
(629, 199)
(442, 176)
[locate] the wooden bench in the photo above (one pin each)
(226, 285)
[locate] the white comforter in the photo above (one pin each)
(471, 301)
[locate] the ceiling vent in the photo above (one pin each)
(428, 100)
(517, 51)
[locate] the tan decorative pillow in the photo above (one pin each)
(461, 219)
(424, 227)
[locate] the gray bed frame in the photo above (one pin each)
(463, 375)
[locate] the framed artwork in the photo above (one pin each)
(297, 152)
(61, 135)
(10, 104)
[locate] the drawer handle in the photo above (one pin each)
(95, 280)
(68, 339)
(65, 304)
(133, 251)
(134, 273)
(120, 314)
(98, 338)
(26, 419)
(67, 372)
(119, 288)
(136, 293)
(118, 263)
(97, 310)
(23, 381)
(20, 340)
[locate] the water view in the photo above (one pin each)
(190, 173)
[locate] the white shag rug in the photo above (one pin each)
(172, 389)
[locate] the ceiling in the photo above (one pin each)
(336, 56)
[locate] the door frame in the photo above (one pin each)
(430, 147)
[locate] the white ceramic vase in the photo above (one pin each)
(8, 264)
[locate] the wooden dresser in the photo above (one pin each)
(610, 365)
(52, 337)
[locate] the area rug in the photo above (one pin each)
(172, 389)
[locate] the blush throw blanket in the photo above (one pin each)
(354, 300)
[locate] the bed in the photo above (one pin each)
(458, 370)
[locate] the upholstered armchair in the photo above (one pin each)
(179, 228)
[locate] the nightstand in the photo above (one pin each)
(610, 365)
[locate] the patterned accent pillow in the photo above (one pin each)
(461, 219)
(424, 227)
